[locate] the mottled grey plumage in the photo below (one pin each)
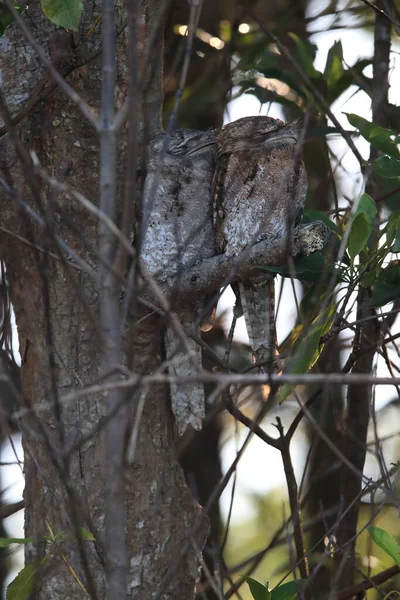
(177, 202)
(259, 191)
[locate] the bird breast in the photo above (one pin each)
(260, 199)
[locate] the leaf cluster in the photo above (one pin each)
(64, 13)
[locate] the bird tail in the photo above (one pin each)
(258, 303)
(187, 399)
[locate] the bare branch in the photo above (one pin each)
(115, 508)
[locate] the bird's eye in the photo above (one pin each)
(178, 148)
(269, 132)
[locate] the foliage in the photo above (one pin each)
(64, 13)
(28, 579)
(384, 540)
(25, 583)
(285, 591)
(381, 138)
(6, 17)
(269, 64)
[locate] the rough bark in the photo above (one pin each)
(58, 342)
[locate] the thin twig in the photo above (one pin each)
(221, 379)
(295, 512)
(115, 506)
(382, 12)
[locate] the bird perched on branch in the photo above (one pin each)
(259, 192)
(177, 211)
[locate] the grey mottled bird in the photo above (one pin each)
(259, 191)
(178, 208)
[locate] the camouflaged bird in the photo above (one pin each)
(178, 208)
(259, 191)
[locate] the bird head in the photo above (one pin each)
(258, 134)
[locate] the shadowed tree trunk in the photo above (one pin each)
(359, 398)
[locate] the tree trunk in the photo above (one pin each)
(59, 340)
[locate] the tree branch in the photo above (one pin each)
(355, 590)
(293, 494)
(367, 334)
(115, 508)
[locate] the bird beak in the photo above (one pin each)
(202, 147)
(282, 137)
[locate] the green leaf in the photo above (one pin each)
(368, 279)
(310, 216)
(396, 245)
(391, 274)
(367, 206)
(392, 229)
(384, 540)
(84, 534)
(265, 95)
(387, 289)
(288, 591)
(25, 583)
(341, 81)
(313, 263)
(87, 535)
(308, 348)
(307, 268)
(257, 589)
(359, 234)
(5, 542)
(386, 167)
(6, 17)
(384, 293)
(391, 192)
(304, 55)
(334, 65)
(64, 13)
(361, 226)
(311, 300)
(305, 357)
(379, 137)
(269, 64)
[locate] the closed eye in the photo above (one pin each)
(269, 132)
